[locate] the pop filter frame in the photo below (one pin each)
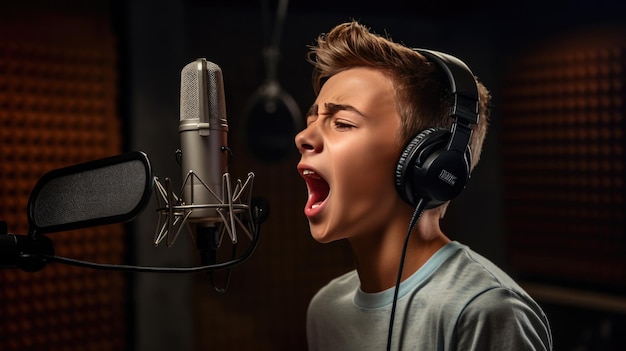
(105, 191)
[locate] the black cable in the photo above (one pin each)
(222, 290)
(144, 269)
(419, 209)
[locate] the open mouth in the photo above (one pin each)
(318, 189)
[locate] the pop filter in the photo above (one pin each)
(105, 191)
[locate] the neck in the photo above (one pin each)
(378, 261)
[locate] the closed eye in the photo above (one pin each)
(341, 125)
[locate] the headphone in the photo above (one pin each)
(435, 165)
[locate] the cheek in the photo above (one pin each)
(368, 170)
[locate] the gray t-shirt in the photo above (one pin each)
(458, 300)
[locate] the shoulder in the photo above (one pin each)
(469, 274)
(484, 307)
(501, 304)
(499, 315)
(503, 318)
(465, 274)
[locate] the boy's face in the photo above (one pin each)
(349, 151)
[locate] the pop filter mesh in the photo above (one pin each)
(110, 191)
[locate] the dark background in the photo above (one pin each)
(265, 306)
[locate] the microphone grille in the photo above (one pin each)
(201, 91)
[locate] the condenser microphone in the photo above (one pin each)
(203, 132)
(208, 205)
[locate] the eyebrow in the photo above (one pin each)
(332, 108)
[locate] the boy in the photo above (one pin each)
(373, 97)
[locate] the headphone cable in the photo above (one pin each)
(419, 209)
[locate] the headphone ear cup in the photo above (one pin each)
(426, 170)
(404, 173)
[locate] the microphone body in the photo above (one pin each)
(203, 132)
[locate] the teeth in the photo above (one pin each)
(311, 174)
(315, 205)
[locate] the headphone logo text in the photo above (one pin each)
(447, 177)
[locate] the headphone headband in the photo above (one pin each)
(462, 84)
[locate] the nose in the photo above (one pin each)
(307, 140)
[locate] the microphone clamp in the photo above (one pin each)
(233, 207)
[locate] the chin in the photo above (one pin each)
(322, 236)
(322, 239)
